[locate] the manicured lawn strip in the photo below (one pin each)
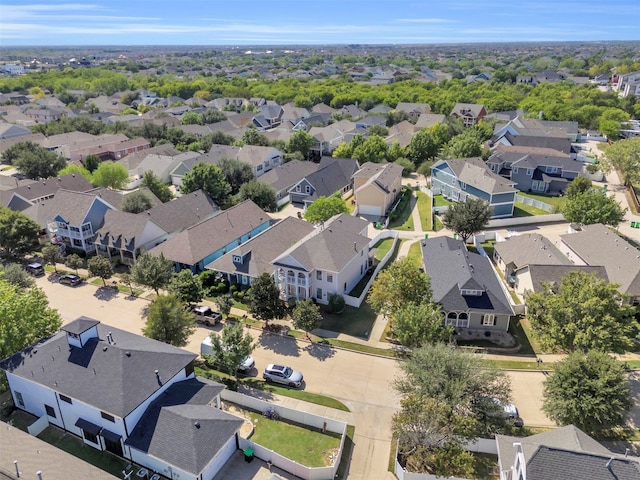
(382, 248)
(404, 220)
(517, 365)
(522, 331)
(350, 206)
(356, 322)
(306, 445)
(424, 209)
(392, 454)
(558, 202)
(440, 201)
(206, 371)
(356, 347)
(415, 253)
(438, 225)
(74, 446)
(524, 210)
(489, 248)
(514, 297)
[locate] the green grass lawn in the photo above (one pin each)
(438, 225)
(488, 247)
(356, 322)
(404, 221)
(350, 206)
(424, 209)
(415, 253)
(558, 202)
(306, 445)
(382, 247)
(524, 210)
(440, 201)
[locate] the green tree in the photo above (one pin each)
(136, 202)
(251, 136)
(611, 121)
(415, 325)
(265, 298)
(231, 347)
(126, 279)
(51, 256)
(110, 175)
(467, 218)
(237, 173)
(92, 162)
(18, 233)
(423, 147)
(16, 275)
(306, 316)
(40, 164)
(465, 145)
(593, 206)
(191, 118)
(73, 261)
(398, 285)
(186, 286)
(407, 165)
(624, 156)
(261, 194)
(151, 271)
(301, 142)
(590, 391)
(210, 116)
(100, 267)
(168, 321)
(373, 149)
(73, 169)
(225, 303)
(26, 317)
(577, 186)
(209, 178)
(582, 313)
(157, 187)
(323, 208)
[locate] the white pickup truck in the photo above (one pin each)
(205, 315)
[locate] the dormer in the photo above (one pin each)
(80, 331)
(240, 259)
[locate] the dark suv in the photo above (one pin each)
(35, 269)
(70, 279)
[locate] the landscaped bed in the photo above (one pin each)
(303, 444)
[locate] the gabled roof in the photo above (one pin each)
(598, 245)
(68, 206)
(45, 188)
(561, 144)
(381, 175)
(565, 453)
(196, 242)
(332, 175)
(473, 171)
(467, 109)
(411, 107)
(287, 174)
(529, 249)
(183, 212)
(429, 119)
(554, 274)
(255, 155)
(263, 248)
(451, 268)
(116, 197)
(182, 428)
(114, 377)
(330, 247)
(135, 159)
(323, 108)
(122, 230)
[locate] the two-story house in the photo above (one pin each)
(537, 170)
(128, 395)
(459, 179)
(376, 187)
(284, 177)
(204, 242)
(469, 113)
(327, 139)
(270, 116)
(333, 176)
(330, 260)
(465, 285)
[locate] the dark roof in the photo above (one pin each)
(182, 429)
(332, 175)
(197, 242)
(80, 325)
(183, 212)
(113, 377)
(122, 230)
(557, 143)
(288, 174)
(44, 188)
(473, 171)
(263, 248)
(555, 273)
(72, 207)
(452, 268)
(530, 248)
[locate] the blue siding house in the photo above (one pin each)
(210, 239)
(460, 179)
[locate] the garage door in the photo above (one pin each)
(221, 458)
(369, 210)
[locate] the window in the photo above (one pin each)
(329, 277)
(319, 293)
(106, 416)
(90, 437)
(19, 399)
(307, 189)
(463, 185)
(50, 411)
(64, 398)
(318, 274)
(259, 168)
(515, 170)
(529, 171)
(489, 319)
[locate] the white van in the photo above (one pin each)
(206, 348)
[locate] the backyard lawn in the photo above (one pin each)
(382, 248)
(415, 253)
(524, 210)
(424, 209)
(356, 322)
(404, 220)
(305, 445)
(440, 201)
(558, 202)
(350, 205)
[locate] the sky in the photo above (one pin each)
(319, 22)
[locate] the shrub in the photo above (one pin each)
(336, 303)
(208, 278)
(248, 292)
(233, 289)
(222, 287)
(292, 301)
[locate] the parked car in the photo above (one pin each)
(70, 279)
(36, 269)
(205, 315)
(206, 348)
(282, 374)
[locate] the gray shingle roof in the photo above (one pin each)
(451, 268)
(198, 241)
(332, 175)
(124, 371)
(183, 212)
(122, 230)
(287, 174)
(598, 245)
(72, 207)
(182, 429)
(528, 249)
(473, 171)
(330, 247)
(383, 175)
(555, 273)
(263, 248)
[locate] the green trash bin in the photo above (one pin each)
(426, 235)
(248, 454)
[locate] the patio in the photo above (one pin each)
(499, 338)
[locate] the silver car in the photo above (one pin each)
(282, 374)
